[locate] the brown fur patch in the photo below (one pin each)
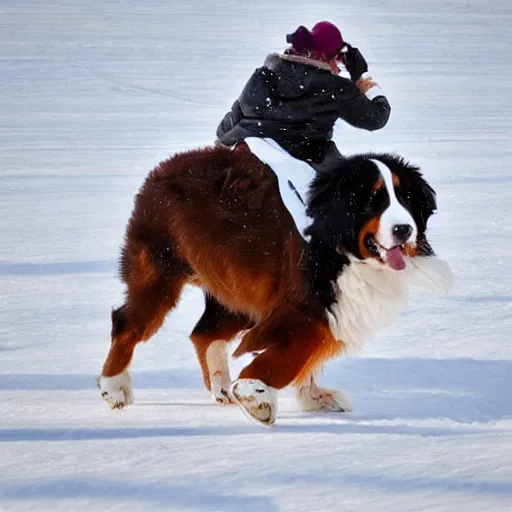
(293, 347)
(378, 184)
(411, 250)
(371, 227)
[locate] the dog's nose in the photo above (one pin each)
(402, 232)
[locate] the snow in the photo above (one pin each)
(93, 94)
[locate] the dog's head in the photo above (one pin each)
(374, 207)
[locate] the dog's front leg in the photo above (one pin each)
(291, 348)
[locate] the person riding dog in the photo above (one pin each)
(296, 97)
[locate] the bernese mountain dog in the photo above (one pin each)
(214, 218)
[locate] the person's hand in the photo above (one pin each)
(354, 62)
(365, 84)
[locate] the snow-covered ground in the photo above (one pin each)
(93, 94)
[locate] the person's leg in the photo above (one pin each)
(331, 158)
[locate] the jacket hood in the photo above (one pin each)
(296, 74)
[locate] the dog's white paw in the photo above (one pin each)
(116, 390)
(313, 398)
(221, 384)
(257, 400)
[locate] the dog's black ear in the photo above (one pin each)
(421, 198)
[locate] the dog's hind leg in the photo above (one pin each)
(152, 291)
(216, 327)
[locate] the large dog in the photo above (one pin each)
(214, 218)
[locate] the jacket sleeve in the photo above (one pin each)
(228, 129)
(368, 111)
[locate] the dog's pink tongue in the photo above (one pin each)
(395, 258)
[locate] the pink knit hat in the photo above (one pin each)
(327, 39)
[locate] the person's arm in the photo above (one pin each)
(368, 108)
(365, 105)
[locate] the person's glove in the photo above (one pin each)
(355, 63)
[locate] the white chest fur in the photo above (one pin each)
(369, 298)
(370, 295)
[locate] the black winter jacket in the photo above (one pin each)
(296, 103)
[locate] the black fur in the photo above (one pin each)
(323, 265)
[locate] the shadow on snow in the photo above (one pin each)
(9, 269)
(168, 494)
